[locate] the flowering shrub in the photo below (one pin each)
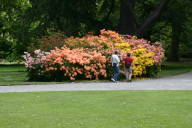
(76, 62)
(71, 64)
(35, 64)
(145, 55)
(88, 57)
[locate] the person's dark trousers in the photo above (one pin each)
(116, 72)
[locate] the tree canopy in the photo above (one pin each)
(22, 22)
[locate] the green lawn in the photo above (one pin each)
(96, 109)
(16, 74)
(174, 68)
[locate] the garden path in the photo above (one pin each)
(179, 82)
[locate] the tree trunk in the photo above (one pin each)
(174, 48)
(127, 24)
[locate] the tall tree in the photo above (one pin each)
(178, 16)
(13, 31)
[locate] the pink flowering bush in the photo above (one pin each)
(35, 64)
(88, 57)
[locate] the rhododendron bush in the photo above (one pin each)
(88, 57)
(71, 63)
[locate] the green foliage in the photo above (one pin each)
(173, 28)
(178, 18)
(152, 71)
(22, 22)
(73, 17)
(14, 31)
(164, 35)
(49, 42)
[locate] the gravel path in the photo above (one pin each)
(179, 82)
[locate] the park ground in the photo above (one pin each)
(145, 108)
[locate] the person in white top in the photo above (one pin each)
(115, 64)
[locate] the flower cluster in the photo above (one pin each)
(144, 53)
(100, 43)
(76, 62)
(36, 59)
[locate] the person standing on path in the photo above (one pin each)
(115, 64)
(128, 63)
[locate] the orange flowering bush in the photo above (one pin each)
(76, 63)
(101, 43)
(70, 64)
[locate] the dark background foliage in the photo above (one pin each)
(24, 22)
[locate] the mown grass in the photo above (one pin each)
(175, 68)
(15, 74)
(96, 109)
